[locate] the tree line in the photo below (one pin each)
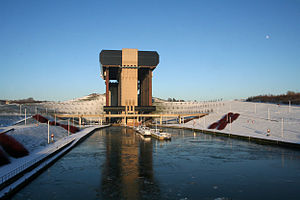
(290, 96)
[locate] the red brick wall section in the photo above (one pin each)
(52, 123)
(222, 123)
(213, 125)
(12, 146)
(72, 129)
(222, 126)
(235, 116)
(40, 118)
(223, 119)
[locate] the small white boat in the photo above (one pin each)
(161, 135)
(145, 131)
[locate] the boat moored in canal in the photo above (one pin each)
(145, 131)
(161, 135)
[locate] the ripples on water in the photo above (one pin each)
(115, 163)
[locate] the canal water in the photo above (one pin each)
(116, 163)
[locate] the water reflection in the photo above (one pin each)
(128, 169)
(116, 163)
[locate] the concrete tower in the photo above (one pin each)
(128, 79)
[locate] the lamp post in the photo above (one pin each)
(25, 116)
(48, 132)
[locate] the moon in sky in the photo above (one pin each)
(267, 37)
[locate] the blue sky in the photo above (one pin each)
(208, 49)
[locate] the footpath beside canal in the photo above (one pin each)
(19, 172)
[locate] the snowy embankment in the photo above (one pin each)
(35, 139)
(254, 121)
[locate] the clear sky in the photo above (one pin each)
(213, 49)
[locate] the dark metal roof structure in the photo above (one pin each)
(114, 57)
(148, 58)
(110, 57)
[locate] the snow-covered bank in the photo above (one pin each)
(40, 154)
(254, 121)
(34, 137)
